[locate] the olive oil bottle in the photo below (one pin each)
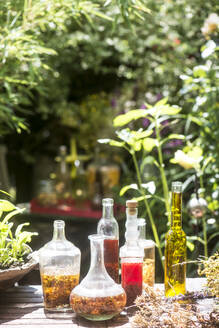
(175, 247)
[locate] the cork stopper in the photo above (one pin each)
(131, 206)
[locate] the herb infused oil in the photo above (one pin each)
(175, 247)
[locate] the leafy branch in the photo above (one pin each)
(135, 141)
(13, 247)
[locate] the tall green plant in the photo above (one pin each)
(136, 141)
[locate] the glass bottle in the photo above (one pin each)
(63, 186)
(108, 227)
(149, 254)
(131, 255)
(97, 297)
(59, 263)
(175, 247)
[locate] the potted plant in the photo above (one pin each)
(16, 256)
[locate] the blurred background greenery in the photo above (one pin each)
(68, 68)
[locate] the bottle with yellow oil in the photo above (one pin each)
(175, 247)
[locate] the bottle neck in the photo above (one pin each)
(107, 212)
(59, 230)
(132, 232)
(176, 210)
(97, 255)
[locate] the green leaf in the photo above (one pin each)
(20, 227)
(148, 160)
(206, 162)
(140, 134)
(194, 119)
(200, 71)
(116, 143)
(111, 142)
(13, 213)
(213, 236)
(129, 116)
(173, 136)
(138, 199)
(137, 145)
(149, 144)
(101, 15)
(166, 110)
(128, 187)
(161, 102)
(190, 245)
(196, 238)
(6, 206)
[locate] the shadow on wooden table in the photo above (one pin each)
(119, 320)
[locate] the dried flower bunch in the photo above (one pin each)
(210, 268)
(156, 311)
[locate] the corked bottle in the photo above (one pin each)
(175, 247)
(131, 255)
(108, 228)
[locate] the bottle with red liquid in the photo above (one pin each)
(131, 255)
(108, 227)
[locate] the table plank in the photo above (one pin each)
(22, 307)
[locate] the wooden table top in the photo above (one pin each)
(22, 306)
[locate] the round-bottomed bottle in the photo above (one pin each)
(97, 297)
(175, 247)
(149, 255)
(131, 255)
(59, 263)
(108, 227)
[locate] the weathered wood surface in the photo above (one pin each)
(22, 306)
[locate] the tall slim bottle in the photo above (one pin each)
(149, 254)
(175, 247)
(131, 255)
(108, 227)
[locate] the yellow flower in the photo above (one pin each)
(211, 24)
(188, 160)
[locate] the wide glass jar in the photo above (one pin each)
(97, 297)
(59, 270)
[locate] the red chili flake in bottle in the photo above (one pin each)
(111, 258)
(132, 280)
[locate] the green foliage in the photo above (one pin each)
(13, 247)
(136, 141)
(141, 141)
(31, 33)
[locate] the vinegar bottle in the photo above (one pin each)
(131, 255)
(175, 247)
(108, 227)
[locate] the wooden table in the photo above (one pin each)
(22, 306)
